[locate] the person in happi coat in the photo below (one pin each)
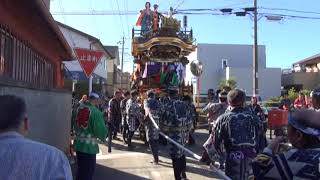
(90, 125)
(134, 115)
(152, 109)
(124, 123)
(237, 132)
(299, 162)
(210, 154)
(193, 116)
(114, 114)
(177, 125)
(256, 109)
(214, 110)
(163, 101)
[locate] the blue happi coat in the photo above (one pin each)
(238, 132)
(176, 124)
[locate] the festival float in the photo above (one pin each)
(160, 49)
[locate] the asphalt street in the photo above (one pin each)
(135, 164)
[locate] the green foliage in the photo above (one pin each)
(292, 94)
(273, 102)
(305, 92)
(232, 83)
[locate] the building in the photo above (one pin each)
(226, 61)
(32, 51)
(113, 77)
(79, 39)
(114, 81)
(304, 74)
(126, 80)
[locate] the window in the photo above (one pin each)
(224, 63)
(21, 63)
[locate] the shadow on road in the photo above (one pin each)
(139, 147)
(103, 173)
(204, 172)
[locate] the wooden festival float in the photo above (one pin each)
(160, 57)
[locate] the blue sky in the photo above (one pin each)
(286, 42)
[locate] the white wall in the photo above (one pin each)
(76, 40)
(211, 55)
(239, 59)
(243, 77)
(270, 83)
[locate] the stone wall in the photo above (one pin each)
(49, 113)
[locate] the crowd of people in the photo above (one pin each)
(127, 113)
(238, 138)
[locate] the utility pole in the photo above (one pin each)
(121, 77)
(255, 52)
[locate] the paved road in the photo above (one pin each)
(135, 164)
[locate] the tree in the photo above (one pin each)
(232, 83)
(305, 92)
(273, 102)
(292, 94)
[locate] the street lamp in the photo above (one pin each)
(274, 18)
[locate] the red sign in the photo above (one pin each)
(88, 59)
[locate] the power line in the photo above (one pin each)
(120, 17)
(215, 12)
(127, 21)
(65, 22)
(94, 20)
(232, 5)
(290, 10)
(178, 6)
(290, 16)
(79, 13)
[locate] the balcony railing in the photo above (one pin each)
(143, 36)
